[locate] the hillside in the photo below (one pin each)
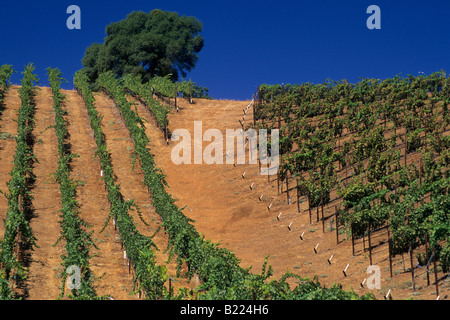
(217, 197)
(228, 211)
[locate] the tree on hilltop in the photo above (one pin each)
(158, 43)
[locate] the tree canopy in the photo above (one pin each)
(158, 43)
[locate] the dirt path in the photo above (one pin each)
(131, 182)
(108, 265)
(44, 271)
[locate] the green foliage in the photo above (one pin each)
(5, 73)
(164, 87)
(19, 197)
(144, 91)
(78, 241)
(218, 268)
(190, 89)
(149, 276)
(158, 43)
(377, 185)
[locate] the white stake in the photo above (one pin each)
(101, 173)
(260, 198)
(387, 295)
(279, 216)
(301, 236)
(268, 208)
(251, 186)
(289, 226)
(243, 175)
(362, 283)
(315, 248)
(345, 270)
(329, 260)
(124, 254)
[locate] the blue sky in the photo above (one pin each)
(247, 42)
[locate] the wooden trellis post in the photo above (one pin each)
(390, 250)
(258, 95)
(317, 212)
(412, 267)
(426, 258)
(287, 188)
(337, 225)
(176, 95)
(323, 220)
(278, 181)
(370, 245)
(353, 241)
(435, 272)
(309, 206)
(364, 241)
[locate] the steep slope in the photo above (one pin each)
(226, 210)
(218, 197)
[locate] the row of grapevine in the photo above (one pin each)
(218, 268)
(143, 91)
(330, 130)
(5, 74)
(18, 232)
(163, 87)
(78, 241)
(149, 276)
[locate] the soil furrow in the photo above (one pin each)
(131, 183)
(8, 130)
(44, 281)
(112, 277)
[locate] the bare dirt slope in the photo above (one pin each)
(45, 265)
(131, 181)
(112, 277)
(231, 213)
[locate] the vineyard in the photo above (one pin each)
(94, 208)
(376, 151)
